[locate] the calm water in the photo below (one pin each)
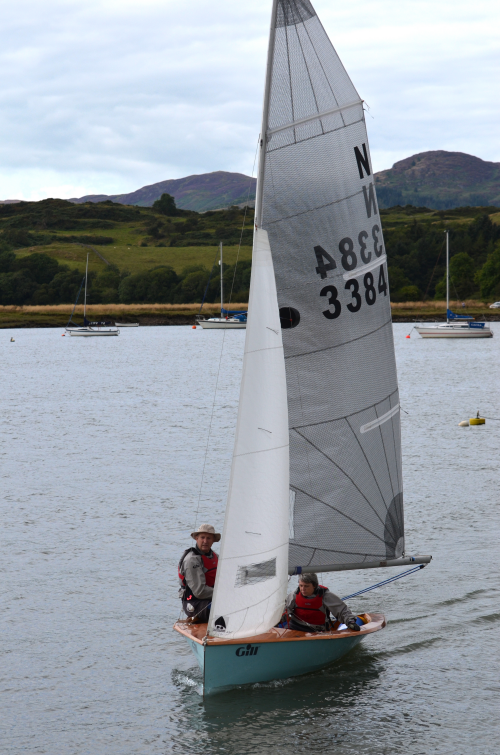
(102, 446)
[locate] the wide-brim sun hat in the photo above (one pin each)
(207, 529)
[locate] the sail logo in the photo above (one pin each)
(248, 650)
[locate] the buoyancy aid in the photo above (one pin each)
(209, 563)
(309, 609)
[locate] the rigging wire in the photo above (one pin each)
(210, 428)
(220, 358)
(243, 224)
(76, 302)
(385, 582)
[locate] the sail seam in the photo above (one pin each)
(327, 348)
(346, 416)
(400, 482)
(315, 117)
(336, 550)
(265, 348)
(346, 516)
(315, 209)
(385, 455)
(346, 475)
(262, 451)
(321, 64)
(309, 76)
(366, 459)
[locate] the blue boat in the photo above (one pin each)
(277, 654)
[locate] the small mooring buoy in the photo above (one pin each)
(12, 340)
(464, 423)
(194, 327)
(477, 420)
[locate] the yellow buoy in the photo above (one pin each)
(477, 421)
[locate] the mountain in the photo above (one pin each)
(441, 180)
(208, 191)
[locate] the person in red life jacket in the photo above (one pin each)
(197, 569)
(311, 604)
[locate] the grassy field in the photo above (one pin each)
(137, 258)
(182, 314)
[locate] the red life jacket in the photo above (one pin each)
(309, 609)
(209, 562)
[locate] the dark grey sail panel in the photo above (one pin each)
(321, 214)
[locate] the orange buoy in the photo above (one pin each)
(194, 327)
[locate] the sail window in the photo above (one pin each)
(251, 574)
(289, 317)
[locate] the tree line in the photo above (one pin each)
(417, 258)
(38, 279)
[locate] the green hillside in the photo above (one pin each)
(140, 255)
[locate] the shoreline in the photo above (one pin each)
(56, 316)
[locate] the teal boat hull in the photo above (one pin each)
(281, 654)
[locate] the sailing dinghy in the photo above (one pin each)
(316, 481)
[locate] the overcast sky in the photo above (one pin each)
(105, 96)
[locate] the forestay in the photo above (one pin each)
(320, 211)
(252, 575)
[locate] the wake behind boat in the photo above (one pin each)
(316, 478)
(456, 326)
(88, 329)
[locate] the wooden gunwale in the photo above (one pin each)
(197, 633)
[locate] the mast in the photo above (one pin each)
(85, 297)
(265, 115)
(221, 283)
(447, 274)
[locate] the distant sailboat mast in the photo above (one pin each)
(221, 283)
(447, 275)
(85, 295)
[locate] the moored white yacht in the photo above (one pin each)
(88, 328)
(228, 319)
(456, 326)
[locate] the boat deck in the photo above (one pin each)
(198, 632)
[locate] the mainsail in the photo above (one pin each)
(319, 208)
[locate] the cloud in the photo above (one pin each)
(108, 96)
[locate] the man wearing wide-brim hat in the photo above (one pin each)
(197, 569)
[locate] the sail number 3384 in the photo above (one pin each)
(373, 282)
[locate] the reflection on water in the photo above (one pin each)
(101, 449)
(273, 714)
